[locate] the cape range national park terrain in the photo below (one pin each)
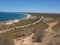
(29, 28)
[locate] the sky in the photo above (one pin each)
(41, 6)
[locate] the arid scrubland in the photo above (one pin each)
(46, 31)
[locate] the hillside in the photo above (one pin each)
(39, 29)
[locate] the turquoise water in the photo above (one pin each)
(11, 16)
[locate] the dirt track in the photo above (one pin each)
(3, 31)
(28, 40)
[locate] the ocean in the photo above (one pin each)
(11, 16)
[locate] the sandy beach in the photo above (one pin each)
(17, 20)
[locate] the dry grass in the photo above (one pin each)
(5, 40)
(38, 29)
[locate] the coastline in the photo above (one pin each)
(17, 20)
(28, 16)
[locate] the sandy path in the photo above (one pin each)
(25, 41)
(49, 30)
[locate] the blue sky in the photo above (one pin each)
(44, 6)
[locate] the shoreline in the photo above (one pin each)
(17, 20)
(28, 16)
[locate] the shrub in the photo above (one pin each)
(56, 29)
(38, 36)
(54, 41)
